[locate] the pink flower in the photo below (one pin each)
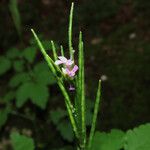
(64, 60)
(71, 73)
(68, 66)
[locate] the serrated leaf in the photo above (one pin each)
(43, 74)
(21, 142)
(57, 115)
(108, 141)
(18, 65)
(66, 131)
(18, 79)
(3, 116)
(37, 93)
(5, 65)
(29, 54)
(138, 138)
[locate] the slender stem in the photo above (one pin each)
(81, 92)
(83, 102)
(54, 50)
(62, 50)
(59, 81)
(70, 32)
(96, 108)
(70, 108)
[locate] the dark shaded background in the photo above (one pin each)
(117, 47)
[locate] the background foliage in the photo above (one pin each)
(116, 36)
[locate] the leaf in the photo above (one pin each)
(37, 93)
(5, 65)
(3, 116)
(23, 94)
(19, 78)
(43, 74)
(13, 53)
(29, 54)
(10, 95)
(66, 131)
(21, 142)
(57, 115)
(138, 138)
(108, 141)
(18, 65)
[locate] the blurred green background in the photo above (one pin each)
(117, 50)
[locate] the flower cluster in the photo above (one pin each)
(69, 68)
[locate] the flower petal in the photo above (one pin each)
(58, 62)
(63, 59)
(75, 68)
(69, 62)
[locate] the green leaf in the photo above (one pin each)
(108, 141)
(19, 78)
(5, 65)
(138, 138)
(66, 131)
(57, 115)
(18, 65)
(13, 53)
(37, 93)
(3, 116)
(43, 74)
(9, 96)
(21, 142)
(29, 54)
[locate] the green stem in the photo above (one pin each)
(70, 32)
(51, 64)
(70, 108)
(96, 108)
(54, 50)
(62, 50)
(81, 92)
